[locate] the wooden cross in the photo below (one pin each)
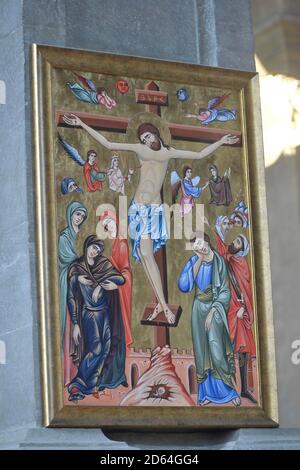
(153, 99)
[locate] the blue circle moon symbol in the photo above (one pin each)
(182, 94)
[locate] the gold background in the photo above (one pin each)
(175, 112)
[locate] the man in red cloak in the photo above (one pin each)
(240, 315)
(93, 176)
(120, 260)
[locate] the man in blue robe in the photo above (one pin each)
(214, 358)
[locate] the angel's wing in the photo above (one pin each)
(71, 151)
(214, 102)
(241, 206)
(196, 180)
(174, 178)
(175, 185)
(86, 82)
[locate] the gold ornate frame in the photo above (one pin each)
(44, 59)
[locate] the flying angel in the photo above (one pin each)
(190, 189)
(212, 113)
(89, 93)
(93, 176)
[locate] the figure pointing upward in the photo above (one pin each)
(147, 222)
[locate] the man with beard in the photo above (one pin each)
(240, 316)
(206, 273)
(240, 216)
(219, 187)
(69, 185)
(147, 224)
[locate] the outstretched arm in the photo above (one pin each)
(73, 120)
(226, 139)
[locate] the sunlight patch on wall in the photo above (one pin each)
(280, 106)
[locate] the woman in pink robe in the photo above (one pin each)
(120, 260)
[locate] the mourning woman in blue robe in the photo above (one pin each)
(94, 306)
(206, 272)
(76, 214)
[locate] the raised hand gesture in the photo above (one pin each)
(72, 120)
(229, 139)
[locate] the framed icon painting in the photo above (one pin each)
(152, 246)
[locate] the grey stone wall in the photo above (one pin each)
(212, 32)
(19, 376)
(282, 183)
(276, 26)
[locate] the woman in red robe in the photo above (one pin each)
(93, 176)
(120, 260)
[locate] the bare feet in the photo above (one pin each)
(236, 401)
(169, 315)
(167, 312)
(158, 308)
(205, 402)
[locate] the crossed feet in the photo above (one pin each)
(167, 312)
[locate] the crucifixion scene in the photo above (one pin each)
(147, 318)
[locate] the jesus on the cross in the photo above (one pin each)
(147, 224)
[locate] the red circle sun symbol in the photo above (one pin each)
(122, 86)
